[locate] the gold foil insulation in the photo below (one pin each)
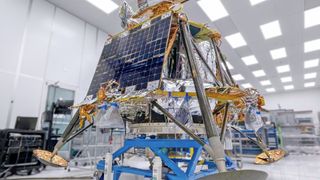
(48, 157)
(274, 155)
(85, 113)
(155, 10)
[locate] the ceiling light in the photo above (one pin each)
(311, 63)
(310, 75)
(286, 79)
(283, 69)
(309, 84)
(265, 82)
(246, 85)
(236, 40)
(238, 77)
(278, 53)
(288, 87)
(214, 9)
(271, 29)
(249, 60)
(270, 90)
(312, 45)
(255, 2)
(106, 6)
(259, 73)
(311, 17)
(229, 65)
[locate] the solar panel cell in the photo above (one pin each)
(134, 58)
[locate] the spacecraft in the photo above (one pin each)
(163, 75)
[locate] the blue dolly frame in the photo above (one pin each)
(156, 146)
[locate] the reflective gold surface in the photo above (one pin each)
(228, 93)
(85, 113)
(155, 10)
(48, 158)
(274, 155)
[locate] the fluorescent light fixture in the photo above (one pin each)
(311, 17)
(214, 9)
(270, 90)
(236, 40)
(259, 73)
(310, 75)
(283, 68)
(286, 79)
(311, 63)
(238, 77)
(229, 65)
(106, 6)
(309, 84)
(246, 85)
(288, 87)
(278, 53)
(265, 82)
(313, 45)
(255, 2)
(249, 60)
(271, 29)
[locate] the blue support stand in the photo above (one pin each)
(156, 145)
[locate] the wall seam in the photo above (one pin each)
(82, 60)
(45, 83)
(18, 70)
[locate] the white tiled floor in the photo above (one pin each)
(292, 167)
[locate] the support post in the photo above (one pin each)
(72, 126)
(206, 64)
(211, 128)
(220, 57)
(224, 123)
(108, 165)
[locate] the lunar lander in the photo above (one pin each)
(166, 78)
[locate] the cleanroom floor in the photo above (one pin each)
(292, 167)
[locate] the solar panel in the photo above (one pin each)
(135, 57)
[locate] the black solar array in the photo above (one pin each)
(134, 59)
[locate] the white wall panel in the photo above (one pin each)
(65, 49)
(13, 16)
(89, 61)
(93, 45)
(42, 44)
(102, 37)
(92, 52)
(27, 98)
(6, 90)
(37, 39)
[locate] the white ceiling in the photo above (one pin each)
(245, 19)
